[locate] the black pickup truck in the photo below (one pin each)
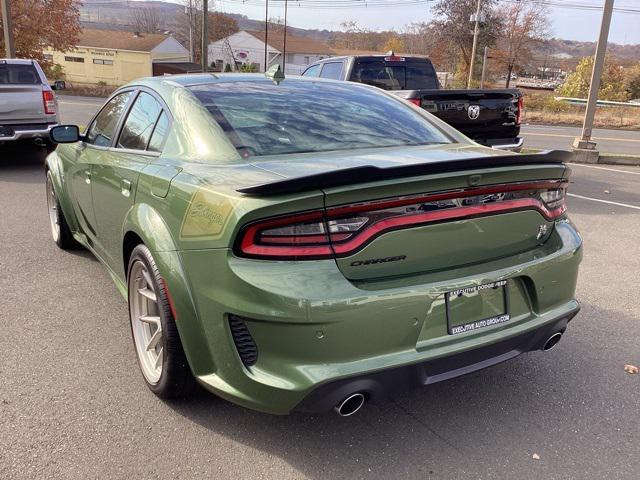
(490, 117)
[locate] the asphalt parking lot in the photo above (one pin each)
(73, 403)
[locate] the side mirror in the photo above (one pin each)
(65, 134)
(59, 85)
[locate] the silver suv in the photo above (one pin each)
(28, 106)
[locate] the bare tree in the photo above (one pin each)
(454, 27)
(526, 25)
(189, 24)
(147, 20)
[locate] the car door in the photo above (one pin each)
(115, 177)
(79, 160)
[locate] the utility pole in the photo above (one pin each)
(583, 146)
(484, 66)
(476, 32)
(266, 33)
(204, 54)
(190, 19)
(284, 41)
(9, 47)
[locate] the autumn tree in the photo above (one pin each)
(38, 24)
(452, 23)
(220, 26)
(612, 83)
(354, 37)
(632, 81)
(394, 44)
(525, 25)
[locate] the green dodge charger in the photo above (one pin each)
(310, 245)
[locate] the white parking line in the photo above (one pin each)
(604, 168)
(635, 207)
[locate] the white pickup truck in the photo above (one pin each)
(28, 106)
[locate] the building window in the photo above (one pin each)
(306, 61)
(74, 59)
(100, 61)
(48, 57)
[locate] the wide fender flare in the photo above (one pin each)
(147, 223)
(53, 163)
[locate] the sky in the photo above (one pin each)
(566, 22)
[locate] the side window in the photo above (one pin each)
(103, 127)
(312, 71)
(139, 124)
(332, 70)
(159, 134)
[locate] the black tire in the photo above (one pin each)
(63, 238)
(176, 379)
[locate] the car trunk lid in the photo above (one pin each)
(413, 210)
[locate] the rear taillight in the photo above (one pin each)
(342, 231)
(49, 101)
(415, 101)
(519, 110)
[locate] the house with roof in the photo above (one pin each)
(248, 47)
(115, 57)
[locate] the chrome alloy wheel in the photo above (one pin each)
(52, 206)
(145, 322)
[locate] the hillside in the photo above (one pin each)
(106, 14)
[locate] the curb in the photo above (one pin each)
(619, 159)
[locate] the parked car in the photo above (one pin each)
(303, 244)
(491, 117)
(28, 105)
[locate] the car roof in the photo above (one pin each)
(193, 79)
(15, 61)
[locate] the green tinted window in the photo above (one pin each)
(138, 127)
(262, 118)
(159, 134)
(103, 127)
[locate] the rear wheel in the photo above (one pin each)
(60, 230)
(155, 336)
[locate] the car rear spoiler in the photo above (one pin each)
(371, 173)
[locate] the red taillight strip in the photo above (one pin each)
(249, 245)
(383, 226)
(472, 192)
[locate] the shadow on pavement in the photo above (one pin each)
(492, 419)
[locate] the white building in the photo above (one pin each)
(247, 47)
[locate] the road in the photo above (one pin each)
(625, 142)
(79, 110)
(73, 404)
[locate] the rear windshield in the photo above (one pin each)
(261, 118)
(18, 75)
(407, 75)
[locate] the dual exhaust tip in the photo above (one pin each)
(552, 341)
(350, 405)
(354, 402)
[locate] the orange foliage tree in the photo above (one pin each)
(38, 24)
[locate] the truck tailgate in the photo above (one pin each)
(473, 111)
(21, 104)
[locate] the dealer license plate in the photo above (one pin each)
(477, 307)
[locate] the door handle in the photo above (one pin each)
(87, 177)
(125, 187)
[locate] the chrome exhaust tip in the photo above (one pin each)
(552, 341)
(350, 405)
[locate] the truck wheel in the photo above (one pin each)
(59, 228)
(155, 337)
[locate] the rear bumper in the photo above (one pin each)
(317, 333)
(382, 385)
(25, 132)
